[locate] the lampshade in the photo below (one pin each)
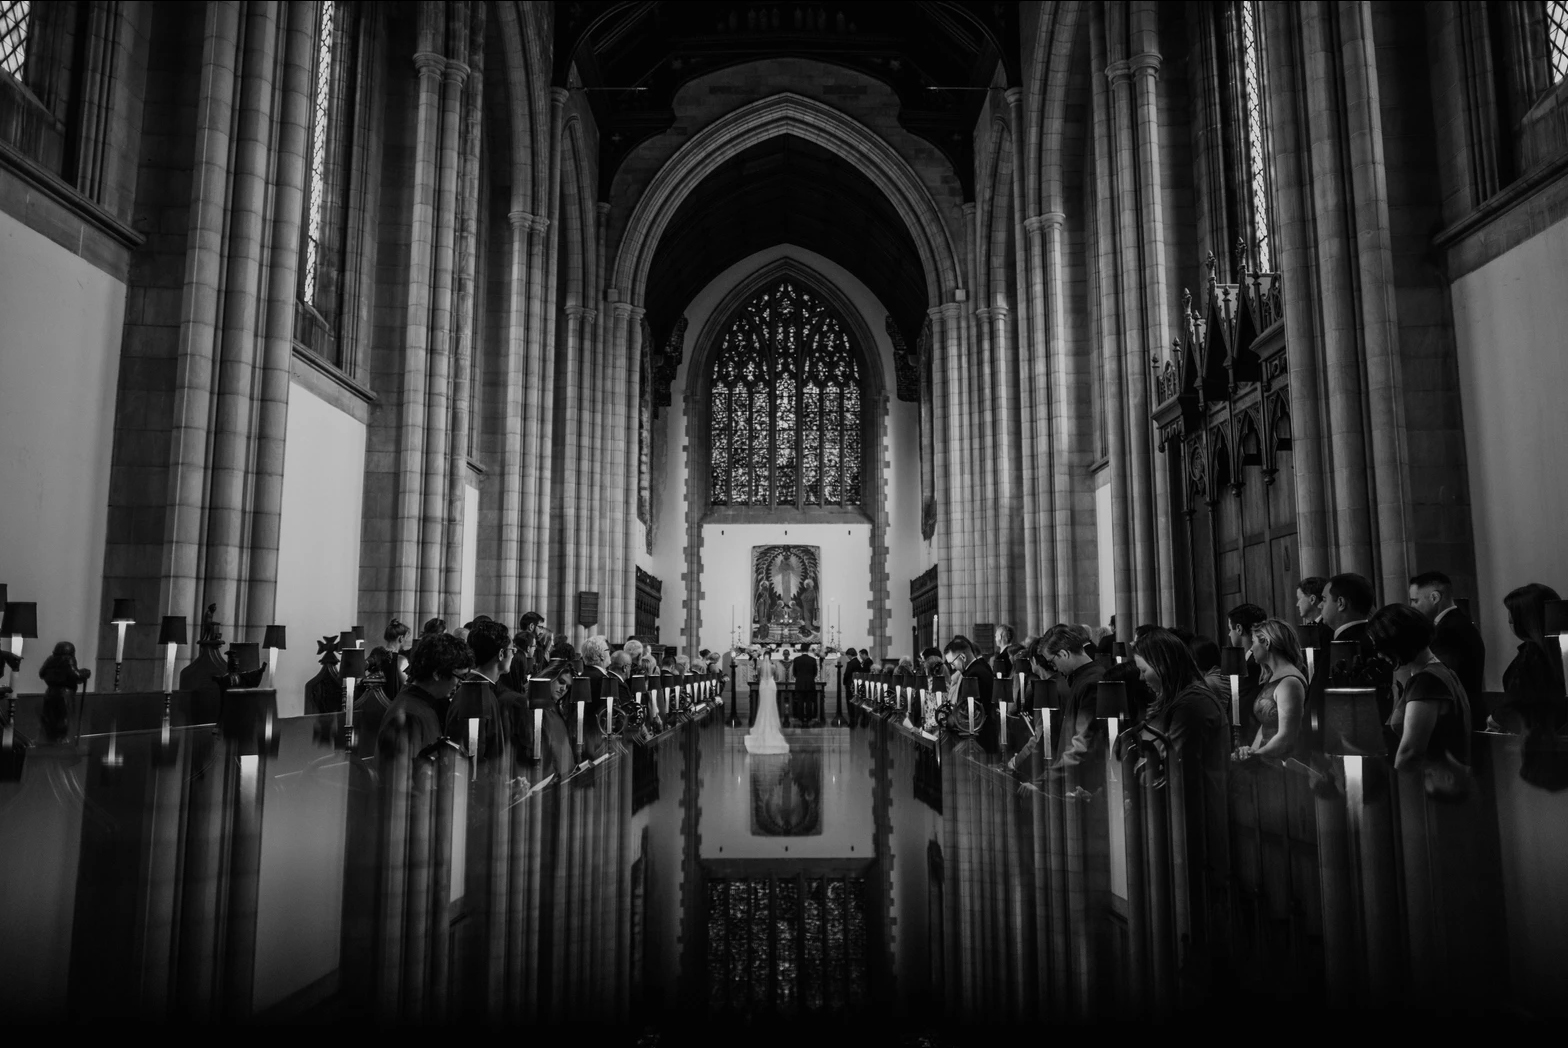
(1110, 699)
(124, 610)
(639, 684)
(4, 594)
(1043, 694)
(21, 619)
(1233, 661)
(1021, 667)
(582, 690)
(1350, 723)
(346, 639)
(276, 637)
(1119, 649)
(1313, 635)
(359, 634)
(351, 663)
(173, 630)
(1556, 618)
(968, 688)
(246, 655)
(540, 692)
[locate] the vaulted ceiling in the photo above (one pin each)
(937, 57)
(787, 190)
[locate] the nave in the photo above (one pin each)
(906, 867)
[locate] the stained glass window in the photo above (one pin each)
(1557, 39)
(787, 400)
(14, 24)
(318, 149)
(1257, 153)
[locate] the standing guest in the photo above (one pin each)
(432, 627)
(500, 709)
(1198, 727)
(516, 678)
(596, 656)
(1282, 695)
(1002, 639)
(1239, 622)
(1455, 638)
(1309, 599)
(1347, 604)
(396, 636)
(964, 661)
(418, 716)
(1431, 715)
(532, 623)
(1063, 649)
(1533, 699)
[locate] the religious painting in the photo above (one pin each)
(786, 604)
(786, 794)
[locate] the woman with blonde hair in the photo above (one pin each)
(1282, 691)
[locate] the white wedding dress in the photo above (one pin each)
(766, 736)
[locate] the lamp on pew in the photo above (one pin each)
(275, 640)
(1312, 636)
(171, 634)
(351, 667)
(123, 615)
(540, 693)
(1233, 663)
(1119, 651)
(346, 640)
(1044, 698)
(1110, 705)
(581, 695)
(358, 633)
(1557, 625)
(20, 623)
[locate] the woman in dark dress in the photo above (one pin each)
(1431, 716)
(1533, 699)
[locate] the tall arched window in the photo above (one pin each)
(14, 26)
(1556, 24)
(320, 113)
(1255, 140)
(786, 393)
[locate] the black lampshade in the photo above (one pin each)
(4, 594)
(968, 688)
(246, 655)
(1110, 699)
(1556, 617)
(351, 663)
(1313, 635)
(1021, 667)
(173, 630)
(359, 634)
(21, 619)
(1119, 649)
(124, 610)
(540, 692)
(1233, 661)
(345, 640)
(582, 690)
(1043, 694)
(276, 637)
(639, 684)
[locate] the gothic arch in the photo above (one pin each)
(787, 114)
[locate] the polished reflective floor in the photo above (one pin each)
(262, 870)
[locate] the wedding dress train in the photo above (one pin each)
(766, 736)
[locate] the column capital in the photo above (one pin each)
(456, 71)
(1014, 95)
(1117, 72)
(984, 312)
(559, 96)
(575, 312)
(626, 309)
(428, 63)
(522, 219)
(1050, 221)
(1146, 62)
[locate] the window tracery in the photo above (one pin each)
(1255, 115)
(786, 392)
(14, 26)
(1557, 39)
(318, 150)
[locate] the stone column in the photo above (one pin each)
(278, 348)
(515, 529)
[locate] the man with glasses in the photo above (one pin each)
(1063, 650)
(964, 661)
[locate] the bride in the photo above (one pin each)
(765, 736)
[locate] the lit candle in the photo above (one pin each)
(1045, 732)
(971, 702)
(473, 736)
(1235, 701)
(348, 702)
(609, 711)
(1113, 727)
(1311, 664)
(168, 667)
(581, 714)
(119, 642)
(538, 734)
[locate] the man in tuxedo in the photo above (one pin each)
(964, 661)
(803, 669)
(1455, 639)
(1347, 604)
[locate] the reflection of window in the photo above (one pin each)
(318, 150)
(1557, 39)
(1257, 134)
(14, 24)
(786, 397)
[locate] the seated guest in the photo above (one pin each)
(931, 662)
(906, 665)
(1347, 604)
(633, 649)
(1309, 599)
(596, 656)
(1431, 715)
(1455, 638)
(1282, 695)
(417, 718)
(1533, 699)
(1198, 727)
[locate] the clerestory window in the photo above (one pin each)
(15, 23)
(1255, 110)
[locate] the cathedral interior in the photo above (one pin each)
(1134, 419)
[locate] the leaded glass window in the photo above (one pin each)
(1557, 39)
(786, 393)
(14, 26)
(1257, 134)
(318, 150)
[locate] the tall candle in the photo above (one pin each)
(1045, 731)
(609, 713)
(16, 649)
(971, 702)
(473, 736)
(168, 667)
(1235, 702)
(1311, 664)
(538, 734)
(580, 717)
(119, 641)
(348, 702)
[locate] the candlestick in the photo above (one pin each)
(1045, 733)
(473, 736)
(1235, 705)
(168, 667)
(971, 703)
(1113, 728)
(1311, 664)
(581, 713)
(609, 712)
(538, 734)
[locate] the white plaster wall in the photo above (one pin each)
(1509, 321)
(908, 555)
(845, 567)
(318, 542)
(60, 325)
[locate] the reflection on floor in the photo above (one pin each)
(259, 870)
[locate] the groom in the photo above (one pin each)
(804, 672)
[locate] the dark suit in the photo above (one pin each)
(1355, 633)
(980, 670)
(1457, 642)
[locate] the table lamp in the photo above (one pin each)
(1233, 663)
(1044, 697)
(171, 634)
(1557, 625)
(275, 640)
(351, 667)
(20, 623)
(1110, 705)
(123, 615)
